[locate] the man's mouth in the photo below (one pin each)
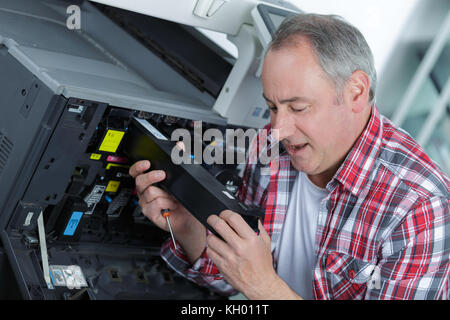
(294, 148)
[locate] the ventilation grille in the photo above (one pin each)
(6, 147)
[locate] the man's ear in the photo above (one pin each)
(357, 90)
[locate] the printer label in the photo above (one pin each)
(112, 186)
(151, 128)
(95, 156)
(228, 195)
(73, 223)
(111, 141)
(28, 219)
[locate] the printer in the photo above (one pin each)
(74, 75)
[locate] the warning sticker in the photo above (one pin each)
(112, 186)
(111, 141)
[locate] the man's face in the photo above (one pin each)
(313, 127)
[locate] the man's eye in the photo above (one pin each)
(298, 109)
(273, 109)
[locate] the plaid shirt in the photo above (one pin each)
(382, 232)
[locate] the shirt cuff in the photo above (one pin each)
(202, 272)
(179, 262)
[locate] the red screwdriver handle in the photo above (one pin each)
(165, 213)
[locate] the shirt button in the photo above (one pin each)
(351, 274)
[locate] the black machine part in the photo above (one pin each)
(191, 184)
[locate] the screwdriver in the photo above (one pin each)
(166, 213)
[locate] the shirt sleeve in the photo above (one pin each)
(202, 272)
(415, 263)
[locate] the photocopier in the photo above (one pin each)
(75, 77)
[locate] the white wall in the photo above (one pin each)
(380, 21)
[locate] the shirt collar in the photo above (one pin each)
(354, 171)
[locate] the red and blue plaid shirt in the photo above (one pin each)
(383, 231)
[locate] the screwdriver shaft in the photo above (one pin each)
(171, 232)
(166, 213)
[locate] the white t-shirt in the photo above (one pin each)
(295, 252)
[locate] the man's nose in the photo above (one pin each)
(283, 125)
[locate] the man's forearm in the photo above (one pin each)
(275, 290)
(193, 240)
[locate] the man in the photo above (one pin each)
(355, 209)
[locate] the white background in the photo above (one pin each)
(380, 21)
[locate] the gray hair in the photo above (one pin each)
(340, 47)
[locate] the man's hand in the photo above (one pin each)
(187, 230)
(245, 258)
(153, 199)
